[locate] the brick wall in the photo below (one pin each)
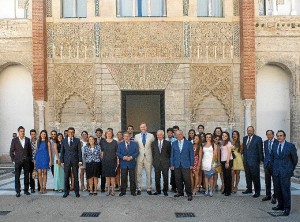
(39, 47)
(247, 49)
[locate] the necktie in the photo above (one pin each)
(248, 142)
(127, 146)
(279, 150)
(71, 141)
(269, 146)
(160, 146)
(144, 139)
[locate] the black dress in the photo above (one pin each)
(109, 161)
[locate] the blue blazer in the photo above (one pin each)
(285, 164)
(185, 158)
(254, 154)
(267, 153)
(70, 155)
(132, 151)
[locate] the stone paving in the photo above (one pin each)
(52, 207)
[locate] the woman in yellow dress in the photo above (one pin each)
(237, 161)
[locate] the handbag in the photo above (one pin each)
(34, 174)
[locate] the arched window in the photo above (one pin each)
(74, 9)
(13, 8)
(210, 8)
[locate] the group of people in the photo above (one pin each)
(195, 162)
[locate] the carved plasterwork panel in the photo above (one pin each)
(142, 40)
(214, 80)
(142, 76)
(49, 8)
(72, 80)
(236, 7)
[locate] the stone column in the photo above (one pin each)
(274, 7)
(247, 120)
(41, 106)
(133, 8)
(293, 12)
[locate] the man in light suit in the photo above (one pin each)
(71, 159)
(144, 140)
(182, 162)
(161, 152)
(284, 160)
(267, 166)
(253, 156)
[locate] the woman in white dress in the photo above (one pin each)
(84, 137)
(209, 152)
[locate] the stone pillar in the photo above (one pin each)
(41, 106)
(274, 7)
(247, 120)
(133, 8)
(293, 12)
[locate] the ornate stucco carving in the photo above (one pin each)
(142, 76)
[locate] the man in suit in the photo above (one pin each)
(161, 152)
(182, 162)
(253, 156)
(144, 140)
(127, 152)
(71, 159)
(21, 156)
(284, 160)
(33, 143)
(99, 141)
(267, 166)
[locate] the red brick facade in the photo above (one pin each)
(39, 44)
(247, 10)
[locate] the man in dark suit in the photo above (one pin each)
(21, 156)
(253, 156)
(284, 160)
(182, 162)
(161, 152)
(99, 141)
(127, 152)
(267, 166)
(71, 159)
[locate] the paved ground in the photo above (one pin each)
(52, 207)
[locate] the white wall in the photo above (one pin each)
(273, 100)
(16, 104)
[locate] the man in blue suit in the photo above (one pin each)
(253, 156)
(127, 152)
(267, 166)
(182, 162)
(284, 160)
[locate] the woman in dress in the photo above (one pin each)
(226, 162)
(201, 174)
(209, 151)
(191, 134)
(42, 159)
(217, 162)
(238, 165)
(197, 163)
(84, 138)
(58, 169)
(92, 153)
(109, 161)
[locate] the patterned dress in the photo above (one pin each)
(196, 158)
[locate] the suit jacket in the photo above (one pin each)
(185, 157)
(18, 153)
(161, 158)
(145, 151)
(133, 151)
(284, 164)
(254, 154)
(70, 155)
(267, 152)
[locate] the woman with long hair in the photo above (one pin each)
(191, 135)
(43, 160)
(197, 163)
(226, 162)
(84, 138)
(217, 162)
(58, 169)
(238, 165)
(201, 174)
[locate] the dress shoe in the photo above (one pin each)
(190, 198)
(256, 195)
(165, 194)
(122, 194)
(138, 192)
(179, 195)
(78, 195)
(273, 201)
(286, 213)
(156, 193)
(65, 195)
(266, 198)
(133, 194)
(26, 193)
(247, 192)
(149, 192)
(32, 191)
(277, 208)
(18, 194)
